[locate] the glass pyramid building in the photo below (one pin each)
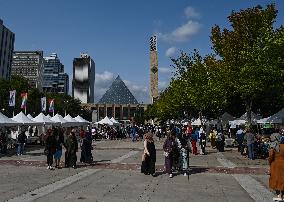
(118, 93)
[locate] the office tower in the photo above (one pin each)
(54, 78)
(7, 39)
(83, 78)
(29, 64)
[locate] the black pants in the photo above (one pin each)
(49, 159)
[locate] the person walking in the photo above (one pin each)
(240, 140)
(184, 156)
(250, 139)
(50, 148)
(168, 148)
(22, 139)
(86, 148)
(276, 162)
(71, 149)
(149, 155)
(59, 139)
(194, 138)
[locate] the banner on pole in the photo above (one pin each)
(12, 98)
(51, 105)
(43, 104)
(24, 100)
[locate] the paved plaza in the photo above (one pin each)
(115, 176)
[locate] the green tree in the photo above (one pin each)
(252, 53)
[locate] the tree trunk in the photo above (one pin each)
(248, 110)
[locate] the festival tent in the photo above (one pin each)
(60, 119)
(105, 120)
(114, 121)
(48, 116)
(30, 116)
(72, 121)
(41, 118)
(226, 117)
(24, 120)
(263, 121)
(197, 122)
(237, 122)
(254, 117)
(277, 118)
(81, 120)
(5, 121)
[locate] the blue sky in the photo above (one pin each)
(116, 33)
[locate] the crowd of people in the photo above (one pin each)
(179, 142)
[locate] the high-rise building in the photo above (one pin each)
(83, 78)
(29, 64)
(54, 78)
(153, 69)
(7, 39)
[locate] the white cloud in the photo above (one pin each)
(190, 12)
(102, 83)
(182, 33)
(163, 85)
(171, 51)
(165, 70)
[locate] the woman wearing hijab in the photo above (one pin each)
(86, 148)
(149, 155)
(168, 147)
(276, 161)
(71, 149)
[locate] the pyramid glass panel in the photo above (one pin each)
(118, 93)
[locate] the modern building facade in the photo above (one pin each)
(29, 64)
(83, 82)
(7, 39)
(54, 78)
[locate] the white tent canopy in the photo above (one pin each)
(60, 119)
(263, 121)
(237, 122)
(197, 122)
(81, 120)
(41, 118)
(24, 120)
(5, 121)
(30, 116)
(114, 121)
(105, 120)
(72, 121)
(277, 118)
(254, 117)
(48, 116)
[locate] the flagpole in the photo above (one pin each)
(25, 110)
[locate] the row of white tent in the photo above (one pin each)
(277, 118)
(226, 118)
(108, 121)
(41, 119)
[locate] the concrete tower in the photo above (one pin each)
(153, 69)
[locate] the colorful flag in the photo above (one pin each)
(24, 100)
(12, 99)
(43, 104)
(51, 105)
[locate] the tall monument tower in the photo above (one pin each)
(153, 69)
